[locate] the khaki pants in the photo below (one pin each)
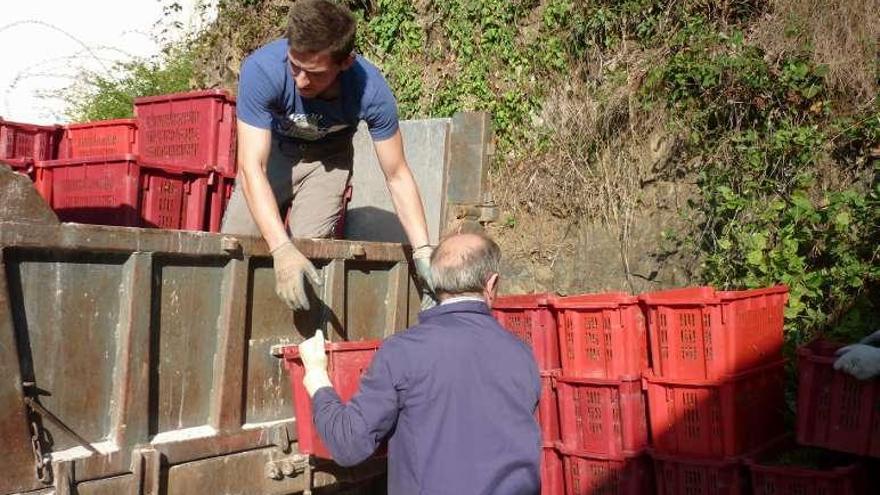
(308, 180)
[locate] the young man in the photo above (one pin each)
(300, 100)
(457, 393)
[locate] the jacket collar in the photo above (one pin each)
(478, 307)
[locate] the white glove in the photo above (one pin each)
(314, 359)
(859, 360)
(873, 339)
(291, 271)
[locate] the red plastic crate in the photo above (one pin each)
(703, 334)
(101, 138)
(602, 417)
(28, 141)
(552, 473)
(602, 336)
(835, 410)
(548, 408)
(191, 131)
(839, 474)
(530, 317)
(121, 191)
(683, 476)
(717, 419)
(631, 475)
(346, 362)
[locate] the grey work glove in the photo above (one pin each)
(859, 360)
(873, 339)
(291, 270)
(314, 359)
(422, 261)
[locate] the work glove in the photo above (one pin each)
(859, 360)
(314, 359)
(873, 339)
(422, 261)
(291, 270)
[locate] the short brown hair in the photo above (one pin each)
(315, 26)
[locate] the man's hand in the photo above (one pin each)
(422, 261)
(859, 360)
(291, 270)
(873, 339)
(314, 359)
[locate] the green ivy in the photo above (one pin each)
(760, 131)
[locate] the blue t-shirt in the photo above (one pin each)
(268, 99)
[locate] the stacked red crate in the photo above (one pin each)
(603, 351)
(100, 138)
(784, 468)
(607, 475)
(531, 318)
(27, 141)
(835, 410)
(194, 132)
(120, 190)
(716, 385)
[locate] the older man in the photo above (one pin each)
(457, 393)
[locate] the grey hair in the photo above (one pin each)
(464, 269)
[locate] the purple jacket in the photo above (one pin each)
(457, 396)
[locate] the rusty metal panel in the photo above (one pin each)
(18, 468)
(66, 325)
(162, 339)
(270, 322)
(245, 473)
(116, 485)
(186, 303)
(368, 311)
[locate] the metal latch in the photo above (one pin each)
(289, 466)
(36, 411)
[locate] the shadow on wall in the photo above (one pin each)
(368, 223)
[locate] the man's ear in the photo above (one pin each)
(347, 62)
(491, 288)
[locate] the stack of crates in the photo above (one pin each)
(603, 351)
(172, 167)
(192, 132)
(716, 385)
(669, 391)
(530, 317)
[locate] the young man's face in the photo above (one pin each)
(314, 73)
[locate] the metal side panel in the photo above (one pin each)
(18, 471)
(136, 338)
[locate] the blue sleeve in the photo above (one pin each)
(381, 112)
(255, 95)
(353, 431)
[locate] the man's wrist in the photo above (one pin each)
(423, 251)
(315, 380)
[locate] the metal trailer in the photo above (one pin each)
(137, 361)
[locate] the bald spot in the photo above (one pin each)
(452, 251)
